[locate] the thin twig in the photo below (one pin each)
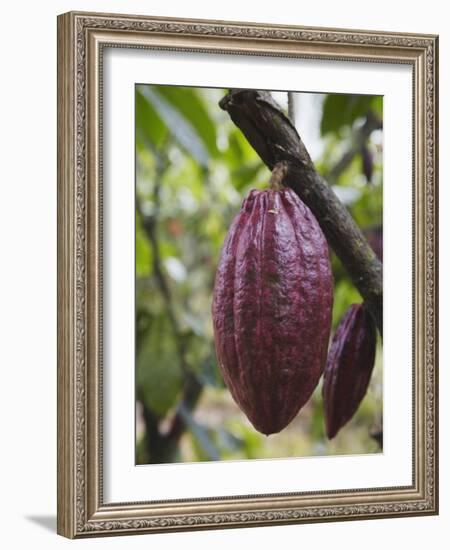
(291, 107)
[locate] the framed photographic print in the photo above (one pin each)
(247, 274)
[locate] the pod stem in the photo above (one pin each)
(278, 175)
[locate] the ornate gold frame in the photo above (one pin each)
(81, 37)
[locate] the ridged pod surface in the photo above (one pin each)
(272, 306)
(349, 367)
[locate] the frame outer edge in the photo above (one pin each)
(435, 216)
(66, 524)
(436, 266)
(76, 206)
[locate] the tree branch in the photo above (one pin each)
(275, 139)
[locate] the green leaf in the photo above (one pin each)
(345, 294)
(143, 252)
(342, 110)
(180, 127)
(158, 374)
(246, 175)
(377, 105)
(239, 151)
(149, 125)
(317, 420)
(252, 440)
(190, 104)
(368, 210)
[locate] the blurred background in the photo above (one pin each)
(193, 170)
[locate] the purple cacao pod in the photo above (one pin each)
(349, 367)
(272, 306)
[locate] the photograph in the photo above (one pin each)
(252, 340)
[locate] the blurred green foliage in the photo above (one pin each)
(193, 169)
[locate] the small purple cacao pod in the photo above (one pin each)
(367, 163)
(271, 308)
(349, 367)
